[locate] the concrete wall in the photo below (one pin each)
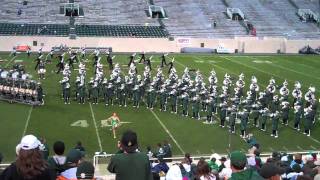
(243, 44)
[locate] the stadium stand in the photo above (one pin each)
(121, 12)
(82, 30)
(121, 31)
(306, 4)
(34, 29)
(186, 18)
(275, 18)
(191, 18)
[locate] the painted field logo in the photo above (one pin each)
(18, 61)
(262, 62)
(198, 61)
(80, 123)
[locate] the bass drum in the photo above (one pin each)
(4, 74)
(24, 76)
(15, 75)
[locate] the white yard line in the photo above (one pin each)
(96, 127)
(27, 122)
(287, 69)
(167, 131)
(10, 61)
(257, 69)
(313, 139)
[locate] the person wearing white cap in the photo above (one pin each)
(29, 164)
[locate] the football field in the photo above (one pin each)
(82, 122)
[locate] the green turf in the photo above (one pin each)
(53, 120)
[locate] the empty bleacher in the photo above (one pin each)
(115, 12)
(185, 18)
(34, 29)
(189, 18)
(215, 10)
(308, 4)
(82, 30)
(121, 31)
(275, 18)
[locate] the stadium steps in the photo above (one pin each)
(273, 18)
(185, 17)
(308, 4)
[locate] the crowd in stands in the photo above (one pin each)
(34, 163)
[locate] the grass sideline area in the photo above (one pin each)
(53, 120)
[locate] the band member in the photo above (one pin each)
(110, 60)
(40, 52)
(38, 60)
(60, 64)
(41, 70)
(170, 65)
(83, 53)
(143, 57)
(29, 51)
(148, 62)
(14, 51)
(163, 60)
(131, 59)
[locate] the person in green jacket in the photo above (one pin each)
(223, 107)
(174, 101)
(307, 120)
(163, 98)
(244, 116)
(275, 122)
(232, 119)
(238, 162)
(213, 165)
(196, 107)
(185, 103)
(264, 117)
(130, 165)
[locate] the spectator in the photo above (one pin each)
(222, 165)
(204, 171)
(304, 177)
(271, 172)
(212, 164)
(130, 165)
(58, 161)
(167, 149)
(149, 152)
(252, 141)
(257, 158)
(238, 163)
(85, 170)
(184, 170)
(44, 148)
(160, 168)
(296, 171)
(73, 160)
(80, 147)
(160, 152)
(29, 163)
(307, 169)
(1, 157)
(297, 160)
